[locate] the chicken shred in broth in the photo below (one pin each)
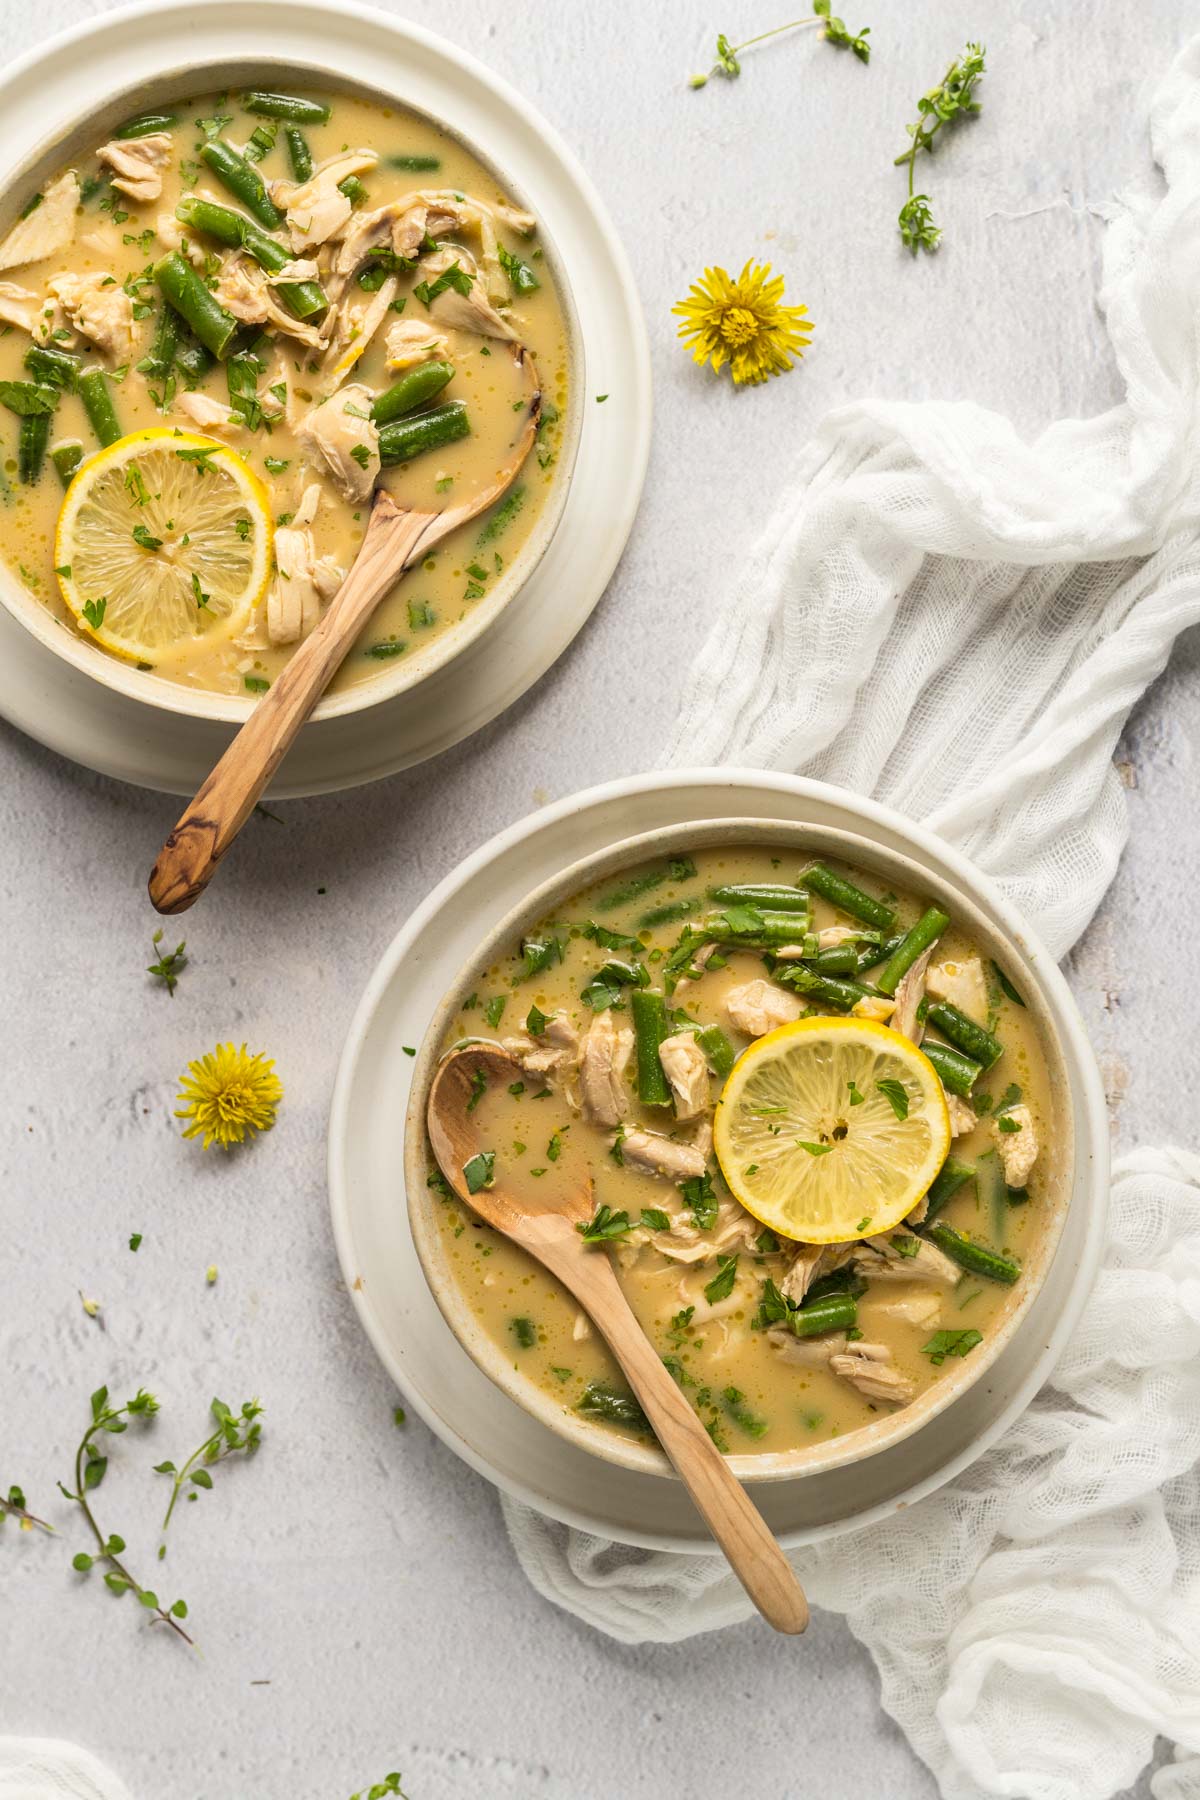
(777, 1344)
(357, 251)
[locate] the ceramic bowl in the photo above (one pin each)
(908, 868)
(90, 124)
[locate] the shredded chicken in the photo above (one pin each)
(760, 1006)
(353, 327)
(472, 311)
(582, 1328)
(922, 1310)
(963, 985)
(47, 228)
(408, 342)
(962, 1118)
(16, 305)
(811, 1262)
(244, 290)
(685, 1242)
(316, 209)
(926, 1263)
(207, 413)
(810, 1353)
(686, 1068)
(403, 227)
(137, 164)
(341, 439)
(1018, 1149)
(606, 1050)
(302, 579)
(659, 1155)
(98, 307)
(835, 935)
(909, 994)
(869, 1368)
(553, 1053)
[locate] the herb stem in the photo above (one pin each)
(12, 1509)
(103, 1544)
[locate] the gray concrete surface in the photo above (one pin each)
(353, 1592)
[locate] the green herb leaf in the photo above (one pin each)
(896, 1095)
(478, 1173)
(950, 1343)
(721, 1285)
(604, 1226)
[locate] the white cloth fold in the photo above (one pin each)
(49, 1769)
(958, 622)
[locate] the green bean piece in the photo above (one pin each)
(353, 189)
(302, 298)
(194, 360)
(952, 1175)
(650, 1028)
(847, 898)
(66, 458)
(871, 955)
(992, 1190)
(286, 106)
(96, 394)
(145, 125)
(299, 155)
(243, 181)
(32, 440)
(978, 1258)
(927, 930)
(405, 438)
(420, 384)
(839, 959)
(829, 1312)
(53, 367)
(773, 895)
(828, 990)
(956, 1072)
(718, 1049)
(965, 1034)
(751, 927)
(161, 358)
(183, 288)
(414, 165)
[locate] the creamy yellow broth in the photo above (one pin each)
(741, 1378)
(117, 235)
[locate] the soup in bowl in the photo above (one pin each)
(228, 316)
(817, 1102)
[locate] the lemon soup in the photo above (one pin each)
(813, 1117)
(227, 324)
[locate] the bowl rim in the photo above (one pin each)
(158, 692)
(1020, 950)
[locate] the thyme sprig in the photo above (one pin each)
(13, 1507)
(91, 1466)
(953, 98)
(170, 963)
(835, 32)
(379, 1790)
(234, 1432)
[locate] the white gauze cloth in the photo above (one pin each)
(48, 1769)
(958, 623)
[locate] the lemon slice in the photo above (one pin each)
(163, 544)
(831, 1129)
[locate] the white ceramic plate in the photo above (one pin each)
(92, 724)
(380, 1265)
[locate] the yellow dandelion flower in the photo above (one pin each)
(229, 1095)
(742, 323)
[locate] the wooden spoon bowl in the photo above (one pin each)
(544, 1224)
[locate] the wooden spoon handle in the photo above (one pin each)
(721, 1500)
(188, 860)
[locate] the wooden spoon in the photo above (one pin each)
(544, 1225)
(396, 537)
